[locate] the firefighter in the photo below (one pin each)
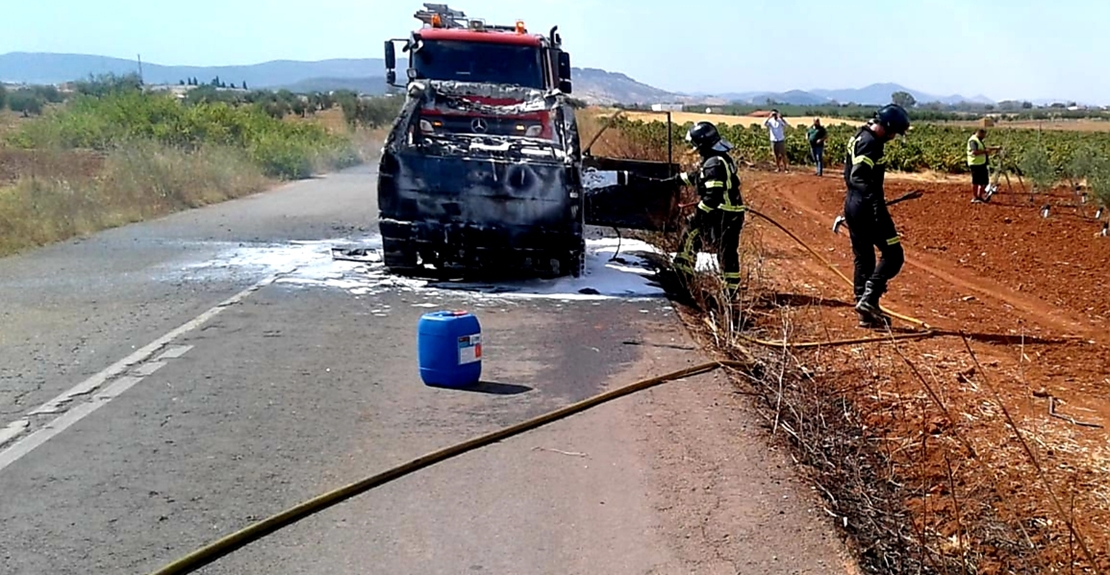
(719, 216)
(866, 214)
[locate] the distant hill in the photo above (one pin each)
(877, 94)
(47, 68)
(601, 87)
(873, 95)
(367, 75)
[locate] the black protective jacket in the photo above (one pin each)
(717, 183)
(865, 169)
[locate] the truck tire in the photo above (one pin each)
(399, 257)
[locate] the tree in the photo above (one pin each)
(1036, 164)
(904, 99)
(25, 102)
(1098, 181)
(1027, 105)
(181, 82)
(3, 96)
(105, 84)
(1082, 164)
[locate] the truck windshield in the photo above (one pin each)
(480, 62)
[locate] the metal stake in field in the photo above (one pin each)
(1003, 170)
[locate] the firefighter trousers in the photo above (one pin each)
(719, 229)
(871, 227)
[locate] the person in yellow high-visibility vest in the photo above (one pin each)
(977, 156)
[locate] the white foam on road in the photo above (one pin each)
(628, 275)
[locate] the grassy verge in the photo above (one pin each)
(281, 149)
(124, 156)
(135, 183)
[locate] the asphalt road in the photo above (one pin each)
(164, 384)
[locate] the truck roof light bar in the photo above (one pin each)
(443, 16)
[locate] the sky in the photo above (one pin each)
(1015, 49)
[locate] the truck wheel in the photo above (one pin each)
(399, 258)
(573, 264)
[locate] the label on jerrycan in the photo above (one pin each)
(470, 349)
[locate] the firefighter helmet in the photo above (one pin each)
(704, 136)
(894, 119)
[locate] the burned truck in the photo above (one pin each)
(482, 173)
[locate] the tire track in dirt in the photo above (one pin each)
(1033, 308)
(1024, 336)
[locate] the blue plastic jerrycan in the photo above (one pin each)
(449, 348)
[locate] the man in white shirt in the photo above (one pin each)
(776, 127)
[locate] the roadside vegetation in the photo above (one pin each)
(111, 152)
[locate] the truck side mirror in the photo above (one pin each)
(565, 86)
(390, 56)
(564, 66)
(391, 77)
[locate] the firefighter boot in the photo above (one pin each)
(868, 307)
(864, 318)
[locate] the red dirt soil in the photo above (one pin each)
(1031, 294)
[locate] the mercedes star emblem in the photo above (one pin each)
(479, 125)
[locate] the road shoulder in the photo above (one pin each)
(728, 500)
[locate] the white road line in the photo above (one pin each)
(13, 430)
(113, 372)
(174, 352)
(148, 368)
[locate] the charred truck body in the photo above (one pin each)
(482, 171)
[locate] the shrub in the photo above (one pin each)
(1036, 164)
(120, 118)
(368, 112)
(25, 102)
(105, 84)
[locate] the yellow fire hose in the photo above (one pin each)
(927, 331)
(258, 530)
(251, 533)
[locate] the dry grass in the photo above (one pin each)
(49, 195)
(367, 141)
(9, 121)
(331, 119)
(141, 182)
(612, 143)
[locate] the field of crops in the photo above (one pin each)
(1044, 157)
(927, 147)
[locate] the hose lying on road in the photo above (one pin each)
(256, 531)
(927, 330)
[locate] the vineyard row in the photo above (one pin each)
(927, 147)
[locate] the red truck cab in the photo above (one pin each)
(451, 48)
